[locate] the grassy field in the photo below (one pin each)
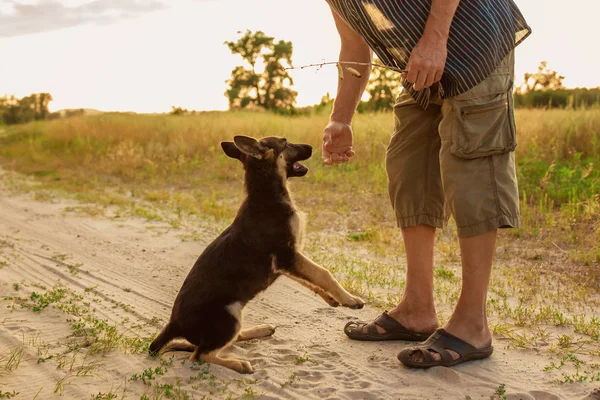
(172, 169)
(176, 162)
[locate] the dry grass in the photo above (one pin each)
(559, 134)
(12, 359)
(177, 162)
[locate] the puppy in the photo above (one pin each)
(263, 242)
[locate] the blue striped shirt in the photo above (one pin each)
(482, 33)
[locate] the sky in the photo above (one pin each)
(149, 55)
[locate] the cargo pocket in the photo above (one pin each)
(484, 128)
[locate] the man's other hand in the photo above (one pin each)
(427, 62)
(337, 143)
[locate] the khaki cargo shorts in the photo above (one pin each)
(457, 158)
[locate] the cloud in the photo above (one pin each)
(18, 18)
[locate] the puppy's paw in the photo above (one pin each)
(243, 367)
(356, 303)
(331, 301)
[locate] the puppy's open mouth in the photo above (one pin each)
(299, 169)
(297, 153)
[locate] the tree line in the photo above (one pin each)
(14, 110)
(544, 89)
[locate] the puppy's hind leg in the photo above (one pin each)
(221, 332)
(256, 332)
(240, 366)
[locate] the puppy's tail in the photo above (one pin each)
(168, 333)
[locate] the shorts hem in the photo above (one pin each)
(421, 219)
(501, 221)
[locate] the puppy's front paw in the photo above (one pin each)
(355, 303)
(331, 301)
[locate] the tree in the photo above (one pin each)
(326, 104)
(31, 108)
(179, 111)
(9, 109)
(543, 79)
(267, 88)
(42, 101)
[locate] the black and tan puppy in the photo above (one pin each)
(263, 242)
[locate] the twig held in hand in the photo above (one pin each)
(349, 69)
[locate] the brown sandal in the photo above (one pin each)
(440, 342)
(393, 330)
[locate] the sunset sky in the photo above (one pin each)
(149, 55)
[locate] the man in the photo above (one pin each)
(451, 153)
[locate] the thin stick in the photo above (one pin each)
(347, 62)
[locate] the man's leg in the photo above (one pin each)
(416, 194)
(484, 198)
(469, 320)
(478, 173)
(416, 311)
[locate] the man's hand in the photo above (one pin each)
(337, 135)
(337, 143)
(426, 63)
(428, 59)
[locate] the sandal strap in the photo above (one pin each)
(372, 329)
(442, 341)
(388, 323)
(427, 356)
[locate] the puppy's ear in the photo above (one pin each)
(231, 150)
(249, 146)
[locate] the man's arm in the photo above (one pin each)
(428, 58)
(337, 135)
(350, 89)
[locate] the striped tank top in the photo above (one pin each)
(482, 33)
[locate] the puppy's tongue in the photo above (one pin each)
(298, 166)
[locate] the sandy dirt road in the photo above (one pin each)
(132, 270)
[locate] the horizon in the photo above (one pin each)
(147, 57)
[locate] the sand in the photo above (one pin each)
(136, 268)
